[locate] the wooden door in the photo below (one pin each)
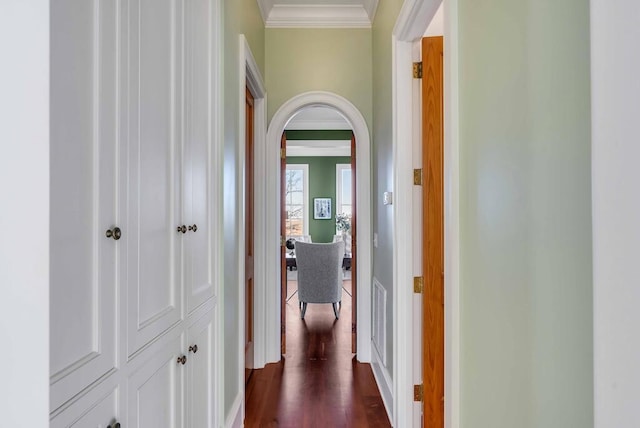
(151, 133)
(83, 195)
(354, 247)
(249, 246)
(283, 249)
(433, 232)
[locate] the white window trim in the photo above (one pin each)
(339, 168)
(305, 193)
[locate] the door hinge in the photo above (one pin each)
(417, 70)
(418, 392)
(418, 284)
(283, 153)
(417, 177)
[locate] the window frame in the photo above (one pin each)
(304, 167)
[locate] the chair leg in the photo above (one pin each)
(304, 309)
(335, 310)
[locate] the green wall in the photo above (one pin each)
(334, 60)
(525, 214)
(240, 17)
(382, 158)
(322, 184)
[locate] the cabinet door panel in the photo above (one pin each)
(155, 390)
(87, 414)
(197, 150)
(83, 194)
(153, 254)
(200, 400)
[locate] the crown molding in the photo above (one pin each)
(265, 7)
(327, 148)
(318, 16)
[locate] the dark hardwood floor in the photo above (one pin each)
(318, 383)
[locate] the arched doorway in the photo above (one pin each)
(268, 311)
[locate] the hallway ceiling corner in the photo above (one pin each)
(318, 13)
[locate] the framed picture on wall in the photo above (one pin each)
(322, 208)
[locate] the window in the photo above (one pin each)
(297, 199)
(343, 189)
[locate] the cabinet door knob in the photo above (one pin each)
(194, 228)
(182, 360)
(193, 348)
(182, 229)
(114, 233)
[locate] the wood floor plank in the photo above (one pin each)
(318, 383)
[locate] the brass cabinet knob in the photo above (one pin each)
(114, 233)
(194, 228)
(182, 360)
(193, 348)
(182, 229)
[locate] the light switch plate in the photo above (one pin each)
(387, 198)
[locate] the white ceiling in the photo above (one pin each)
(318, 13)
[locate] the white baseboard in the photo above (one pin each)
(236, 414)
(383, 380)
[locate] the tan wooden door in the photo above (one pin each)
(249, 246)
(433, 232)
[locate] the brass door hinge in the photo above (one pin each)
(418, 392)
(418, 284)
(417, 177)
(417, 70)
(283, 153)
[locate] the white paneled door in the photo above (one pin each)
(153, 98)
(197, 134)
(83, 268)
(154, 389)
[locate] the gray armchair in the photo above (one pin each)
(319, 274)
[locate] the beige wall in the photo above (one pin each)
(334, 60)
(240, 17)
(525, 214)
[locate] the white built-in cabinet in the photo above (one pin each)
(133, 305)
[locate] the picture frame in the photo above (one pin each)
(322, 208)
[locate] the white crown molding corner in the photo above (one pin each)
(265, 7)
(318, 16)
(371, 6)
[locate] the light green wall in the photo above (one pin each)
(526, 283)
(334, 60)
(322, 184)
(240, 17)
(382, 157)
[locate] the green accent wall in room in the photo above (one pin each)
(322, 184)
(321, 134)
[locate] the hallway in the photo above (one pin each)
(318, 383)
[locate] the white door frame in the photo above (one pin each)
(268, 318)
(411, 25)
